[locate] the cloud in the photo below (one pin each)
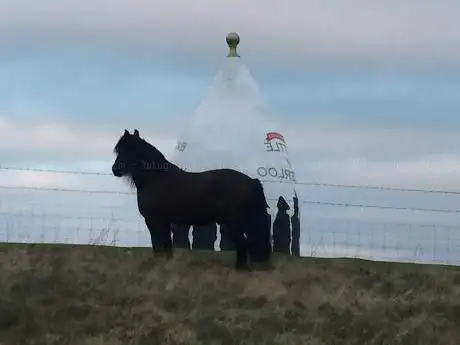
(417, 157)
(371, 141)
(380, 29)
(64, 141)
(52, 137)
(430, 173)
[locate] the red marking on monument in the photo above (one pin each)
(275, 135)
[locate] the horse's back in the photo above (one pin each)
(241, 188)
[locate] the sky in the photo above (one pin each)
(365, 93)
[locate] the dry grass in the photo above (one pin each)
(112, 296)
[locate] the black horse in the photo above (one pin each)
(169, 195)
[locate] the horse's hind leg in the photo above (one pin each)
(241, 249)
(160, 234)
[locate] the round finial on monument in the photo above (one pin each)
(233, 39)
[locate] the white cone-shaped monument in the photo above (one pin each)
(232, 128)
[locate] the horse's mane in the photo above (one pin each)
(145, 150)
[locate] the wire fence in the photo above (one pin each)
(306, 183)
(374, 230)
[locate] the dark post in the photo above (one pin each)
(295, 223)
(204, 236)
(180, 236)
(226, 238)
(269, 225)
(282, 228)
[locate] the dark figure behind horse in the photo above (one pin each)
(169, 195)
(281, 228)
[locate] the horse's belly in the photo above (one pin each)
(196, 213)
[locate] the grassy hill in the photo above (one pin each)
(112, 296)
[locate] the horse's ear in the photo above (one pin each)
(126, 132)
(136, 133)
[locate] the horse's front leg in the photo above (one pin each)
(160, 235)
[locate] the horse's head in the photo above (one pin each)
(127, 151)
(135, 154)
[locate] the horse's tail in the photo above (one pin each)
(260, 194)
(259, 227)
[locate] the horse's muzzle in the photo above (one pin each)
(116, 172)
